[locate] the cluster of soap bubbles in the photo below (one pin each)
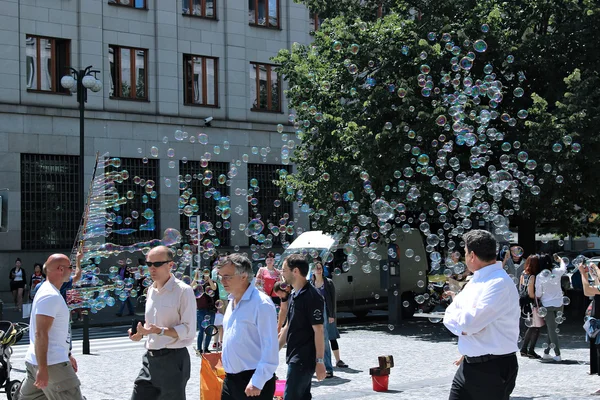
(470, 171)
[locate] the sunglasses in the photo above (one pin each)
(157, 264)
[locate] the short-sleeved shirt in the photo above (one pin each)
(305, 310)
(48, 301)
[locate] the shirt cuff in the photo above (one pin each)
(257, 382)
(181, 331)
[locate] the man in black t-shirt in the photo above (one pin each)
(304, 332)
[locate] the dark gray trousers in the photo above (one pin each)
(164, 375)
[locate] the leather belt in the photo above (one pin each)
(161, 352)
(486, 358)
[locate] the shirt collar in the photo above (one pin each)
(304, 289)
(484, 272)
(169, 285)
(248, 293)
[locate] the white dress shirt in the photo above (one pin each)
(172, 306)
(250, 336)
(548, 287)
(485, 315)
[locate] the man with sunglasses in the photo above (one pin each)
(170, 327)
(51, 370)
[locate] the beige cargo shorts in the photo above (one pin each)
(63, 384)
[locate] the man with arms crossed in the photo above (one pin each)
(250, 347)
(485, 317)
(303, 332)
(51, 370)
(171, 327)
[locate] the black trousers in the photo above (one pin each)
(164, 375)
(234, 387)
(491, 380)
(594, 357)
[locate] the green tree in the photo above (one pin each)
(385, 109)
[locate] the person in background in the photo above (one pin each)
(123, 274)
(221, 304)
(304, 331)
(589, 290)
(250, 350)
(36, 278)
(267, 276)
(170, 327)
(549, 291)
(283, 291)
(326, 288)
(513, 262)
(485, 317)
(205, 308)
(527, 295)
(18, 281)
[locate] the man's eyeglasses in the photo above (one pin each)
(156, 264)
(225, 277)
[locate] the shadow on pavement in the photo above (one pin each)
(349, 370)
(335, 381)
(417, 328)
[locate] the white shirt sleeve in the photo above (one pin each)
(561, 270)
(451, 317)
(269, 359)
(538, 286)
(48, 305)
(490, 304)
(187, 328)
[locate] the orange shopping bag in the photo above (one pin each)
(211, 376)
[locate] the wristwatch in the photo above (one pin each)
(320, 361)
(162, 332)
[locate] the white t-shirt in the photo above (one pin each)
(48, 301)
(18, 275)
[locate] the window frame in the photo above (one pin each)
(57, 87)
(269, 108)
(38, 173)
(132, 77)
(203, 15)
(315, 21)
(149, 170)
(266, 25)
(186, 96)
(130, 5)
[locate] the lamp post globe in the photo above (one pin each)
(97, 86)
(88, 81)
(68, 82)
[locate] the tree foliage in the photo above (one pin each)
(371, 94)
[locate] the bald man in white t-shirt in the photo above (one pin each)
(51, 370)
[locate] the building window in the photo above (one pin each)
(201, 80)
(48, 60)
(128, 73)
(50, 210)
(200, 8)
(265, 88)
(136, 218)
(273, 211)
(204, 193)
(264, 13)
(315, 21)
(141, 4)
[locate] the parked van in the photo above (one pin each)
(359, 292)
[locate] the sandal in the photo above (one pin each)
(341, 364)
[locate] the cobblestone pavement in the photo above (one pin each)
(423, 354)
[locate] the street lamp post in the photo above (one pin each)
(82, 80)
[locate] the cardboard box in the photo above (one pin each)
(386, 362)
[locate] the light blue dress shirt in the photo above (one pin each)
(250, 337)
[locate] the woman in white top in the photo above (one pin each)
(549, 291)
(18, 281)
